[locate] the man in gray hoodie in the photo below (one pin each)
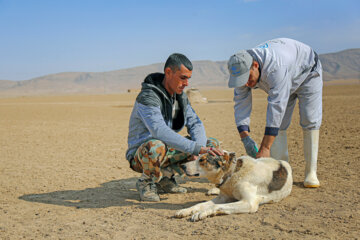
(286, 70)
(161, 110)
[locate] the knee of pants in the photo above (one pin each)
(152, 152)
(150, 155)
(307, 125)
(311, 121)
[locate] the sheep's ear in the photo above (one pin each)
(232, 156)
(226, 157)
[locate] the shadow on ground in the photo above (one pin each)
(114, 193)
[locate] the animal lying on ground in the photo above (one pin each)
(244, 183)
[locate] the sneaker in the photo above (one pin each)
(169, 185)
(147, 190)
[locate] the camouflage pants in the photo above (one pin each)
(154, 156)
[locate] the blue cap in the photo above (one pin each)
(239, 66)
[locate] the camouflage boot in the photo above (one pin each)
(147, 190)
(169, 185)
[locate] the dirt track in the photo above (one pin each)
(64, 175)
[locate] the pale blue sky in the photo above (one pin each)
(39, 37)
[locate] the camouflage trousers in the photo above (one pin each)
(153, 158)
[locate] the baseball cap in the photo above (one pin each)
(239, 68)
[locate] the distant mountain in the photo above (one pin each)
(341, 65)
(6, 84)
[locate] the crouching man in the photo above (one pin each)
(161, 110)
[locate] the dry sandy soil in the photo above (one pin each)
(64, 175)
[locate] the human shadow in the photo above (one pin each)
(299, 184)
(114, 193)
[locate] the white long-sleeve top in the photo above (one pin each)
(284, 65)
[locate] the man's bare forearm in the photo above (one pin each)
(244, 134)
(266, 143)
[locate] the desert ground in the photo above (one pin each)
(64, 174)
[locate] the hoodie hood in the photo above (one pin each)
(154, 81)
(153, 93)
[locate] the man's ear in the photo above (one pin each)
(168, 71)
(255, 64)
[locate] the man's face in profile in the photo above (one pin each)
(178, 79)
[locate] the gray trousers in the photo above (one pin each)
(310, 102)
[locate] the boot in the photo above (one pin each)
(311, 145)
(169, 185)
(279, 149)
(147, 190)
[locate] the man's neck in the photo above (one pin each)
(164, 83)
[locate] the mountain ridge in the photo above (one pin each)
(339, 65)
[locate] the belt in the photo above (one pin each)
(316, 58)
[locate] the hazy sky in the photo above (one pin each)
(50, 36)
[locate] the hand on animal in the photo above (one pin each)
(250, 146)
(212, 151)
(263, 152)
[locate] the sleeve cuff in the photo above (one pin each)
(272, 131)
(197, 149)
(242, 128)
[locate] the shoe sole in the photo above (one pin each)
(312, 186)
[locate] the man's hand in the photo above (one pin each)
(212, 151)
(263, 152)
(266, 143)
(250, 146)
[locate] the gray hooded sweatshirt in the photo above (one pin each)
(151, 118)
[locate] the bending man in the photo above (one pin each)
(286, 70)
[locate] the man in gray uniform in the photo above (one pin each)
(286, 70)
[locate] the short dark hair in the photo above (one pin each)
(175, 61)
